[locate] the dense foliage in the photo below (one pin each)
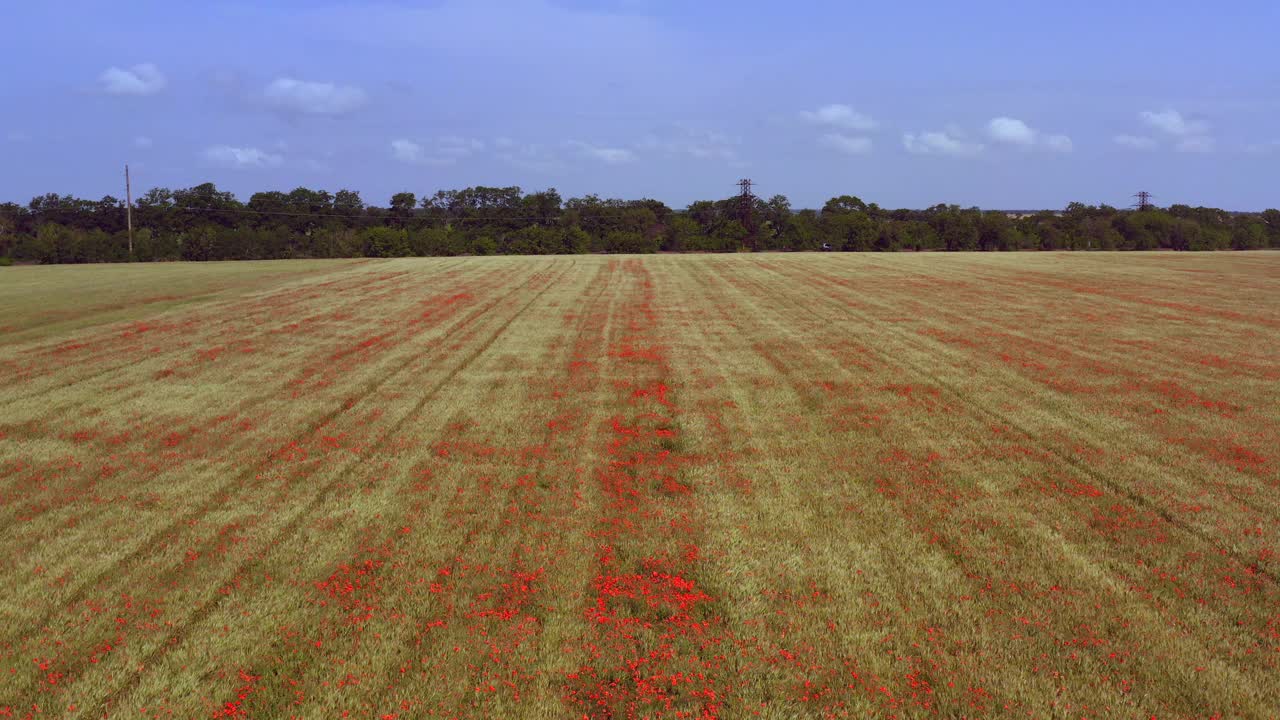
(203, 223)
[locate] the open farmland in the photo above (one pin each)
(618, 487)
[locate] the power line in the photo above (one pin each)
(494, 218)
(1144, 200)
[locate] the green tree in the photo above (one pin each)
(995, 231)
(348, 202)
(683, 233)
(204, 205)
(845, 224)
(803, 231)
(199, 243)
(1271, 219)
(627, 241)
(1249, 234)
(430, 242)
(402, 206)
(11, 219)
(919, 235)
(956, 229)
(730, 236)
(542, 208)
(573, 240)
(384, 242)
(1099, 233)
(531, 240)
(844, 204)
(777, 219)
(337, 241)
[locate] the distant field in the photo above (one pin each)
(785, 486)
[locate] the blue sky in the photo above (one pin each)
(908, 104)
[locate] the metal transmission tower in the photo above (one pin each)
(1144, 200)
(746, 204)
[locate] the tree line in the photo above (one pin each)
(204, 223)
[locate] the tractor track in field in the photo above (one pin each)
(311, 427)
(1078, 420)
(781, 299)
(262, 399)
(1108, 363)
(911, 340)
(105, 336)
(1119, 361)
(243, 406)
(14, 337)
(717, 485)
(206, 608)
(584, 321)
(175, 329)
(391, 674)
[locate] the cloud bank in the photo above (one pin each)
(139, 80)
(946, 142)
(840, 116)
(238, 158)
(312, 98)
(1012, 131)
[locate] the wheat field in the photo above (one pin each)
(781, 486)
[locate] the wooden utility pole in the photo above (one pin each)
(128, 208)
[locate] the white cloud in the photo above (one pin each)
(445, 150)
(1188, 135)
(841, 116)
(1059, 143)
(535, 157)
(406, 151)
(697, 144)
(1013, 131)
(313, 98)
(943, 143)
(1136, 142)
(847, 144)
(143, 79)
(458, 147)
(1173, 123)
(1196, 144)
(242, 158)
(142, 142)
(606, 155)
